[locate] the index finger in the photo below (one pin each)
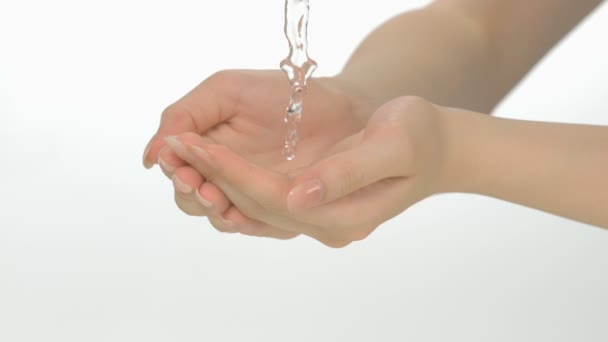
(207, 105)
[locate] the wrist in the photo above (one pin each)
(357, 85)
(362, 104)
(465, 137)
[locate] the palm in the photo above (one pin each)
(256, 128)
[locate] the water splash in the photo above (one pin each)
(299, 68)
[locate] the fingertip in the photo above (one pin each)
(209, 192)
(180, 185)
(202, 200)
(169, 161)
(172, 141)
(168, 169)
(191, 138)
(186, 179)
(233, 215)
(148, 164)
(240, 223)
(152, 151)
(305, 196)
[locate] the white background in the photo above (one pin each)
(92, 247)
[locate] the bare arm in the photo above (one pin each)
(456, 53)
(470, 54)
(461, 53)
(555, 167)
(467, 54)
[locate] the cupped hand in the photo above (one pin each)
(355, 183)
(243, 111)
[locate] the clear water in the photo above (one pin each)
(299, 68)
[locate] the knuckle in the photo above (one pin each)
(176, 113)
(335, 238)
(221, 75)
(412, 102)
(334, 243)
(256, 231)
(398, 112)
(261, 232)
(349, 176)
(360, 233)
(219, 226)
(172, 110)
(187, 206)
(226, 81)
(285, 235)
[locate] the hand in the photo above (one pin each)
(368, 178)
(244, 110)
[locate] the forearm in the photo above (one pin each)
(460, 53)
(432, 53)
(553, 167)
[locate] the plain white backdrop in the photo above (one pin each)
(92, 247)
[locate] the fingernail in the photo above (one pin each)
(147, 164)
(305, 195)
(181, 186)
(173, 142)
(228, 223)
(205, 203)
(203, 155)
(168, 168)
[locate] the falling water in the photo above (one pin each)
(298, 67)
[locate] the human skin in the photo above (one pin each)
(410, 150)
(484, 60)
(253, 127)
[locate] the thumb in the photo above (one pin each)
(176, 119)
(207, 105)
(376, 157)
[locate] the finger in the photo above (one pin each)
(385, 150)
(251, 227)
(222, 166)
(222, 225)
(245, 225)
(208, 194)
(169, 161)
(355, 216)
(345, 172)
(185, 181)
(234, 220)
(207, 105)
(212, 198)
(258, 193)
